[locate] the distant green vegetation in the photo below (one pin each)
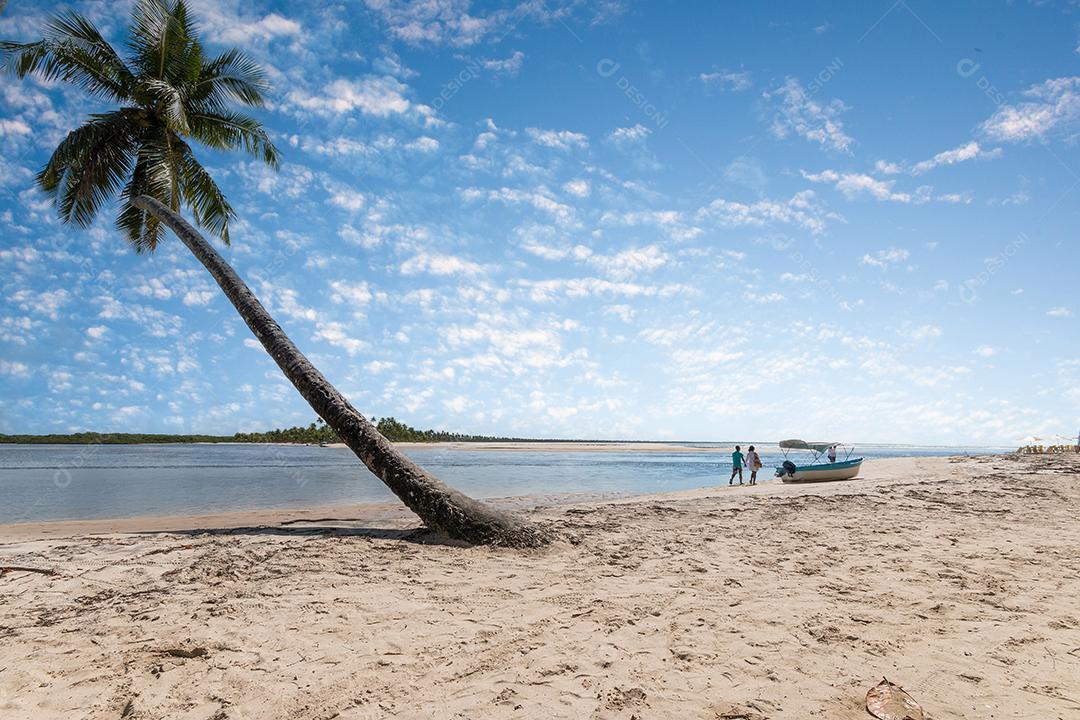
(93, 438)
(400, 432)
(316, 432)
(392, 429)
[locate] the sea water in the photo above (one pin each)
(69, 482)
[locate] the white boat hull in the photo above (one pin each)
(824, 473)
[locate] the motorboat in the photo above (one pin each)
(815, 470)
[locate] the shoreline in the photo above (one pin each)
(395, 513)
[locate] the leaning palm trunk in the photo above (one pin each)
(441, 507)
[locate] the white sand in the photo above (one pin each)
(959, 580)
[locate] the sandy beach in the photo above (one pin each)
(958, 579)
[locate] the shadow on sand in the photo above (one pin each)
(321, 526)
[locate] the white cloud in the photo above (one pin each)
(198, 297)
(1060, 312)
(335, 334)
(986, 351)
(629, 135)
(628, 264)
(577, 188)
(884, 258)
(923, 332)
(1053, 105)
(887, 168)
(672, 222)
(800, 210)
(97, 331)
(969, 151)
(452, 22)
(243, 32)
(540, 199)
(727, 80)
(423, 144)
(574, 288)
(343, 292)
(436, 264)
(508, 66)
(457, 404)
(377, 95)
(347, 199)
(799, 113)
(287, 302)
(763, 298)
(14, 369)
(377, 366)
(14, 128)
(46, 302)
(623, 312)
(558, 139)
(854, 184)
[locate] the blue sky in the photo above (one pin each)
(667, 220)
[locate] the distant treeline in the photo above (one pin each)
(316, 432)
(93, 438)
(392, 429)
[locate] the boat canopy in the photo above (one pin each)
(818, 447)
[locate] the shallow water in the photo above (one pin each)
(69, 482)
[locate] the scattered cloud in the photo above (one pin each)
(629, 135)
(801, 210)
(727, 80)
(1053, 106)
(923, 332)
(453, 22)
(337, 335)
(884, 258)
(378, 96)
(510, 66)
(968, 151)
(855, 184)
(436, 264)
(797, 112)
(578, 188)
(558, 139)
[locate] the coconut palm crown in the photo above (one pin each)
(170, 93)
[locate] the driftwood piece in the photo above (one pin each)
(18, 568)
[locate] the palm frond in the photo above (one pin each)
(229, 130)
(230, 76)
(141, 229)
(202, 194)
(74, 51)
(160, 37)
(90, 165)
(170, 100)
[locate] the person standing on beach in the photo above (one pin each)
(753, 463)
(736, 465)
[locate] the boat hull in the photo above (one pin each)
(822, 473)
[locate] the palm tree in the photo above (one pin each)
(170, 92)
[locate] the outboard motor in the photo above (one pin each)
(789, 468)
